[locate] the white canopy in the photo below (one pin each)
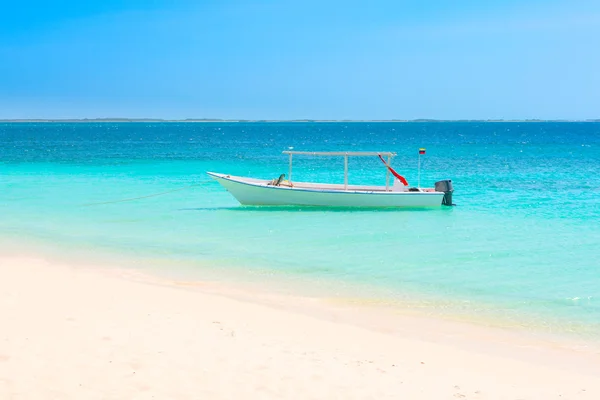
(345, 154)
(342, 153)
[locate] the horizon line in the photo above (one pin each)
(120, 119)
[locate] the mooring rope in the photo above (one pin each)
(147, 196)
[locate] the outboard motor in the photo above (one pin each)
(446, 187)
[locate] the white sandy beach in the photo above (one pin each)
(70, 332)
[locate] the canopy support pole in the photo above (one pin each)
(387, 174)
(290, 170)
(346, 172)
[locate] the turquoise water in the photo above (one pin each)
(522, 244)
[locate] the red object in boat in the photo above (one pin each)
(397, 175)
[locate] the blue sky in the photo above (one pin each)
(266, 59)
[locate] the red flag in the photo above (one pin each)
(400, 177)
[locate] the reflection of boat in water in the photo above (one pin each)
(251, 191)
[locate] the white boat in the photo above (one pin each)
(281, 192)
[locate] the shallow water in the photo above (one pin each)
(521, 244)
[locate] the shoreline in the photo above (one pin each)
(323, 295)
(116, 323)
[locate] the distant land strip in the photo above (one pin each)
(94, 120)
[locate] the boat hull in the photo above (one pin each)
(258, 194)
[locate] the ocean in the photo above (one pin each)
(520, 248)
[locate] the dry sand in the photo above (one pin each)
(82, 333)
